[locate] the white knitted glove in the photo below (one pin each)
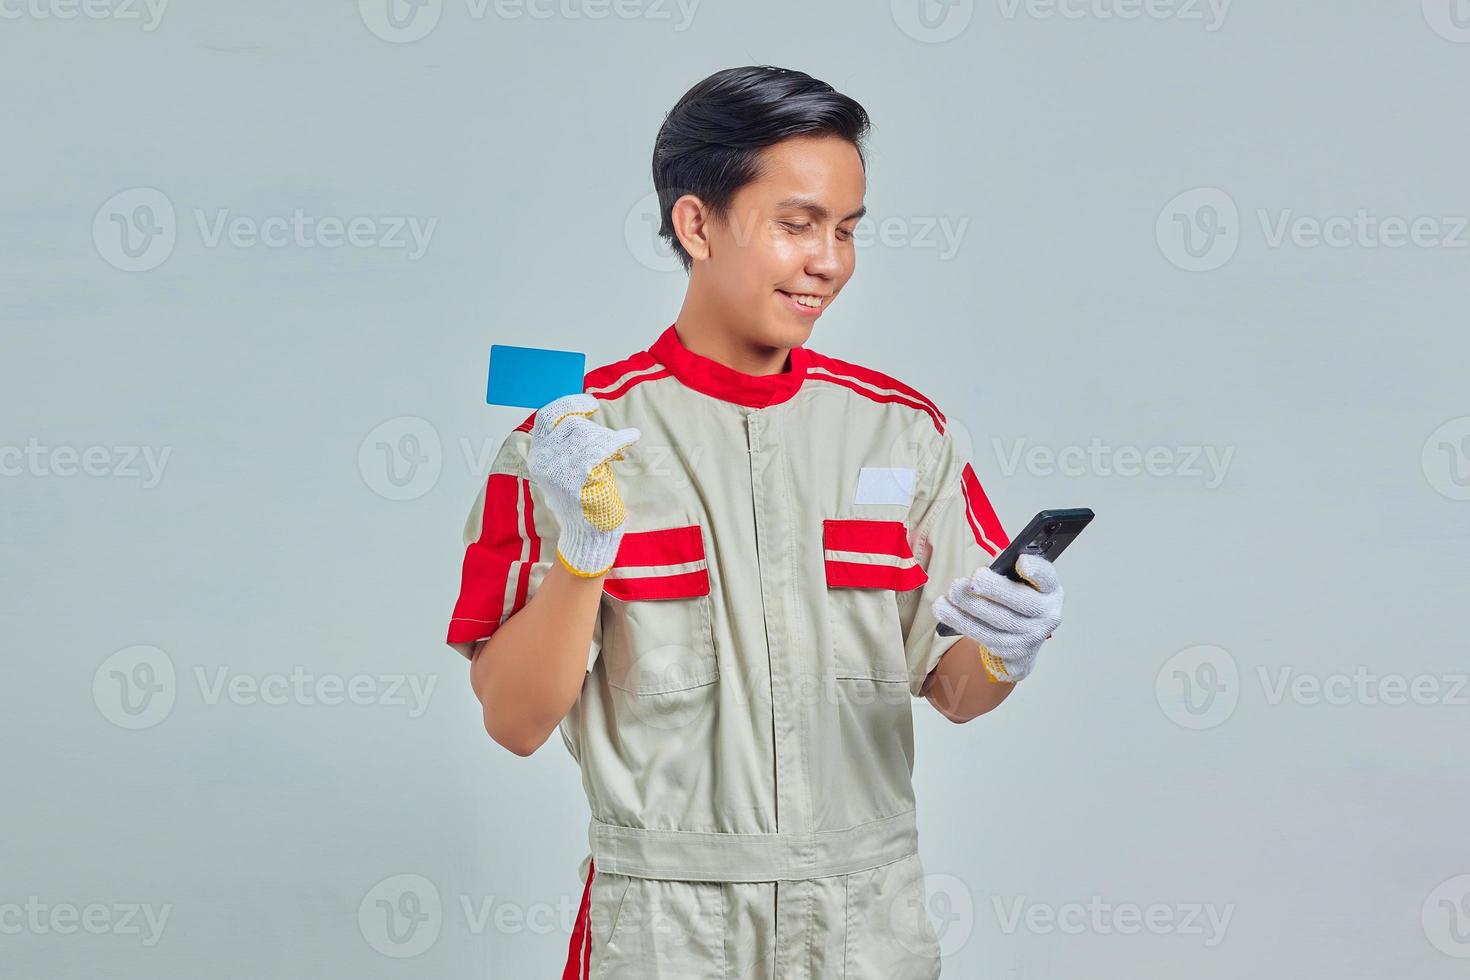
(570, 461)
(1010, 620)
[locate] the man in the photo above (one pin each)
(746, 546)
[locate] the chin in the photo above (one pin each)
(790, 334)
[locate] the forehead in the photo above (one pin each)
(826, 169)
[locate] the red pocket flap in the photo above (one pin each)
(665, 563)
(868, 554)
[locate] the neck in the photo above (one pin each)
(707, 334)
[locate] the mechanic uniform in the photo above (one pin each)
(744, 730)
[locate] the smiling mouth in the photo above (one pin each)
(809, 300)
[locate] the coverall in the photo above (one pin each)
(745, 731)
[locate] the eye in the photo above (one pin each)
(845, 234)
(793, 226)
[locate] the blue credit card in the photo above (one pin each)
(530, 377)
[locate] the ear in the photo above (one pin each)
(690, 219)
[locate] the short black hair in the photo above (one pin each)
(710, 142)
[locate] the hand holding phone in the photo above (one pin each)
(1047, 535)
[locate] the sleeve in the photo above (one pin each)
(509, 545)
(953, 530)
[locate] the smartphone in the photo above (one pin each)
(1047, 535)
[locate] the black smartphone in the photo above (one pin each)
(1047, 535)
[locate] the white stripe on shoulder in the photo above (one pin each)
(625, 378)
(920, 399)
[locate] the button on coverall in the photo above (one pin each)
(744, 731)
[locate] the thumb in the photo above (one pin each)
(623, 439)
(1037, 572)
(599, 444)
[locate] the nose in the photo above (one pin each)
(825, 258)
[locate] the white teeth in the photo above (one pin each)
(804, 300)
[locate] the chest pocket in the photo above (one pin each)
(657, 634)
(868, 562)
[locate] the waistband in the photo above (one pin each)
(683, 855)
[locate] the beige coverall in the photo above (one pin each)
(745, 731)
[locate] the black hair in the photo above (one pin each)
(710, 142)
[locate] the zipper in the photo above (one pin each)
(753, 446)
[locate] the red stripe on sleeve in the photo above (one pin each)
(485, 573)
(988, 531)
(524, 585)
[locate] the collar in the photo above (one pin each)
(717, 380)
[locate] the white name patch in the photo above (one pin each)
(885, 485)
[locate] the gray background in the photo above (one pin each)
(1332, 834)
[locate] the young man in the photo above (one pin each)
(745, 546)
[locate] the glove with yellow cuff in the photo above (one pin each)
(1009, 619)
(569, 461)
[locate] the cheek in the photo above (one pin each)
(761, 272)
(783, 259)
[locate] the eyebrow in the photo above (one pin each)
(816, 210)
